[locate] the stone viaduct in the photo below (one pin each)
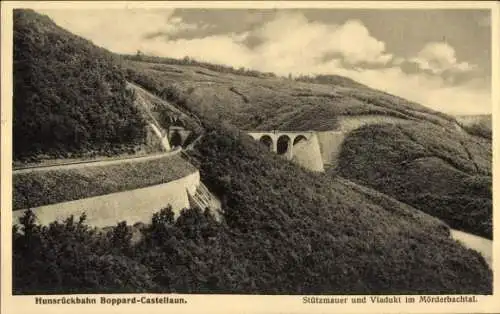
(314, 149)
(281, 142)
(310, 149)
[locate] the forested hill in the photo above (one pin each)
(69, 95)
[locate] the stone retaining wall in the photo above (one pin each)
(136, 205)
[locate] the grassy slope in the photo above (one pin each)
(310, 232)
(39, 188)
(69, 95)
(480, 125)
(331, 80)
(265, 103)
(444, 173)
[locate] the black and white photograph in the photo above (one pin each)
(163, 151)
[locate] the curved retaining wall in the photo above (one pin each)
(133, 206)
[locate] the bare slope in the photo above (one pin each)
(162, 113)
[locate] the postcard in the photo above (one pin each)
(249, 157)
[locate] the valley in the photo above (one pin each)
(234, 181)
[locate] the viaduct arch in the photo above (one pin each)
(281, 142)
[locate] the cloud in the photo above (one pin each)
(440, 57)
(284, 44)
(225, 49)
(484, 21)
(289, 43)
(116, 30)
(291, 34)
(470, 97)
(176, 26)
(122, 31)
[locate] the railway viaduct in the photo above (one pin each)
(281, 142)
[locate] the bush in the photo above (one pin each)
(69, 257)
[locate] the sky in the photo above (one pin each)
(440, 58)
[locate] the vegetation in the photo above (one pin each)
(190, 61)
(479, 125)
(331, 80)
(444, 173)
(69, 95)
(294, 238)
(317, 103)
(154, 99)
(71, 257)
(37, 188)
(266, 103)
(284, 231)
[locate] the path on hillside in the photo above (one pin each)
(482, 245)
(155, 125)
(117, 160)
(97, 162)
(165, 102)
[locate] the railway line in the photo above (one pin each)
(96, 162)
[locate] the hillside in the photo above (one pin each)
(317, 220)
(250, 102)
(284, 229)
(480, 125)
(444, 173)
(161, 113)
(265, 102)
(331, 80)
(69, 95)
